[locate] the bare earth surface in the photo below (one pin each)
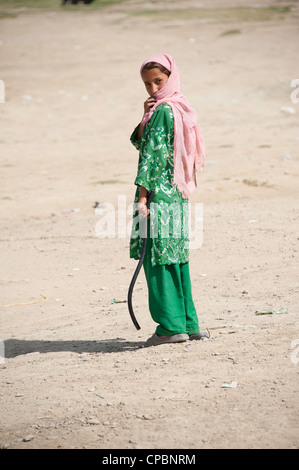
(73, 372)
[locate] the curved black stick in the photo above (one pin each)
(140, 262)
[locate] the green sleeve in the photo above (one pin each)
(136, 142)
(156, 147)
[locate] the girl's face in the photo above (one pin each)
(153, 80)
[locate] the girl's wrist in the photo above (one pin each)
(142, 193)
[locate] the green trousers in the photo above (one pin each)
(170, 296)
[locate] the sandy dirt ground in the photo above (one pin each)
(74, 372)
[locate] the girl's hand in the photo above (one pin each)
(148, 104)
(142, 207)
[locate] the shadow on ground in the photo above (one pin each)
(18, 347)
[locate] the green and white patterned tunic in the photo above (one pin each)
(169, 211)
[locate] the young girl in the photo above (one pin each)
(171, 151)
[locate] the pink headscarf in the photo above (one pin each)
(189, 148)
